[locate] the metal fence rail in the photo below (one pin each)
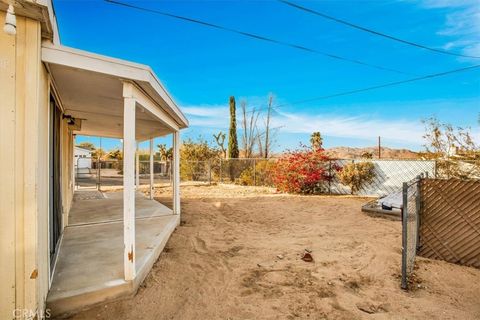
(410, 224)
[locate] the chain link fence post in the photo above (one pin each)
(98, 173)
(330, 176)
(221, 164)
(254, 172)
(404, 234)
(209, 172)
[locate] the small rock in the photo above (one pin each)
(267, 264)
(371, 308)
(308, 250)
(280, 256)
(307, 257)
(366, 307)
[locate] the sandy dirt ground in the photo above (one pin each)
(237, 255)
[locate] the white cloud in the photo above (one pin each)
(448, 3)
(358, 127)
(462, 24)
(206, 110)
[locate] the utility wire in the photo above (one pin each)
(389, 84)
(378, 33)
(255, 36)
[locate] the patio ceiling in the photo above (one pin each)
(90, 88)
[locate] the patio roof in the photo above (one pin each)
(90, 88)
(119, 99)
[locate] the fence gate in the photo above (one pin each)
(450, 221)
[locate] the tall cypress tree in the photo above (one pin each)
(232, 136)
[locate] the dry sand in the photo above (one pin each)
(237, 253)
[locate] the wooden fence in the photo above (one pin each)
(450, 221)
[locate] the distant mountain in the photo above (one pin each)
(355, 153)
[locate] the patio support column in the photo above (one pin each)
(151, 169)
(176, 172)
(137, 168)
(129, 146)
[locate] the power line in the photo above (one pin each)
(378, 33)
(389, 84)
(256, 36)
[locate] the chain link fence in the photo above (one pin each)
(94, 173)
(388, 174)
(247, 172)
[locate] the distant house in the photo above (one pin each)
(82, 158)
(49, 93)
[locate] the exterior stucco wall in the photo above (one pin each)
(24, 171)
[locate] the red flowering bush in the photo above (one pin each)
(303, 171)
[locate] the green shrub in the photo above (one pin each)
(194, 159)
(260, 177)
(356, 175)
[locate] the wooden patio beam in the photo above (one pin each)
(129, 146)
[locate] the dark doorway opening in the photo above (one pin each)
(55, 191)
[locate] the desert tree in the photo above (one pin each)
(166, 154)
(115, 154)
(260, 137)
(86, 145)
(194, 154)
(220, 141)
(98, 154)
(265, 137)
(249, 129)
(366, 155)
(456, 152)
(232, 136)
(268, 137)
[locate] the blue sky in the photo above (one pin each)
(201, 67)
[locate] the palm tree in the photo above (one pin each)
(316, 140)
(166, 154)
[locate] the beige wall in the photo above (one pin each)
(24, 158)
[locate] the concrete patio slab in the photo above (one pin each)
(89, 268)
(108, 207)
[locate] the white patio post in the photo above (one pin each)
(176, 172)
(151, 169)
(129, 182)
(137, 168)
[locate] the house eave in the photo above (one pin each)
(142, 75)
(40, 10)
